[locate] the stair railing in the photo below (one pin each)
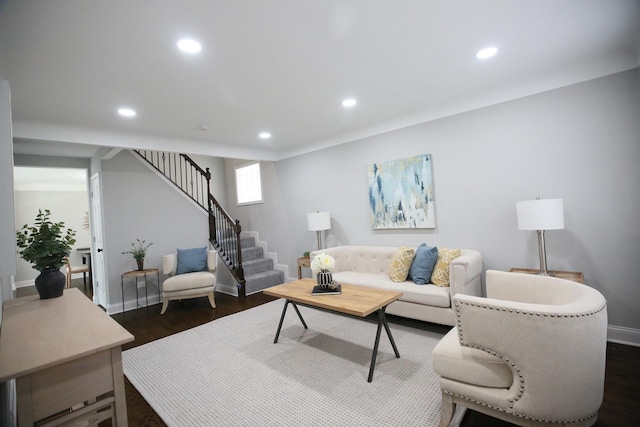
(195, 182)
(183, 172)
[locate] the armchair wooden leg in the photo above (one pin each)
(448, 409)
(212, 300)
(165, 304)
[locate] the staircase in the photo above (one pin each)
(256, 272)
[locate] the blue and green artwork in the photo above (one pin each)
(401, 193)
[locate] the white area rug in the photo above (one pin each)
(230, 373)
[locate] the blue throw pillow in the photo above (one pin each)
(190, 260)
(423, 264)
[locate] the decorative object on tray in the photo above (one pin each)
(401, 193)
(333, 288)
(322, 265)
(139, 251)
(45, 246)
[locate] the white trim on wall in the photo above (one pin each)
(623, 335)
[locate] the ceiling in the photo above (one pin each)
(284, 66)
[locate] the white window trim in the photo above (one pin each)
(253, 201)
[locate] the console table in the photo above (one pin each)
(65, 354)
(574, 276)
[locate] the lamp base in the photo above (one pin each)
(545, 273)
(542, 253)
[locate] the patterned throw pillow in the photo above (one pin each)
(400, 264)
(440, 275)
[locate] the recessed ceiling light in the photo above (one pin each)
(126, 112)
(264, 135)
(487, 53)
(189, 46)
(349, 102)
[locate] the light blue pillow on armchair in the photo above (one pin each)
(423, 264)
(190, 260)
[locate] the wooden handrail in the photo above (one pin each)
(224, 231)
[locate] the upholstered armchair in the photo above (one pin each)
(196, 275)
(531, 353)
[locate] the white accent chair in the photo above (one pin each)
(532, 353)
(188, 285)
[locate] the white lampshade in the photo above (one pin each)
(318, 221)
(540, 214)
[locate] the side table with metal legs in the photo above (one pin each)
(136, 274)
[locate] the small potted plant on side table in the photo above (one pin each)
(45, 245)
(139, 251)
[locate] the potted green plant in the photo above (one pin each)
(139, 251)
(45, 245)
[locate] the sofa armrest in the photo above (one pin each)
(465, 273)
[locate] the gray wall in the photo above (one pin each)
(8, 259)
(7, 225)
(139, 204)
(580, 143)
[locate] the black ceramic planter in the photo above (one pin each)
(50, 283)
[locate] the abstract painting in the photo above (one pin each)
(401, 193)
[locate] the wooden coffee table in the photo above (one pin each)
(356, 301)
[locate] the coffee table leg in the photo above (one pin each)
(284, 311)
(386, 327)
(382, 320)
(299, 315)
(375, 346)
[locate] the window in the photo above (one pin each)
(248, 184)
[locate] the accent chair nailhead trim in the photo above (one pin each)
(513, 366)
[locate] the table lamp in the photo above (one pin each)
(541, 215)
(318, 222)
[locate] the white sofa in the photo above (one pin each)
(369, 266)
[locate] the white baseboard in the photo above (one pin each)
(228, 289)
(623, 335)
(24, 283)
(130, 304)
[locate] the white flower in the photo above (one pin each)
(322, 262)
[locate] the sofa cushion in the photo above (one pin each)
(400, 264)
(190, 260)
(196, 280)
(427, 295)
(469, 365)
(440, 275)
(423, 264)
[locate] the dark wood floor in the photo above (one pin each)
(621, 406)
